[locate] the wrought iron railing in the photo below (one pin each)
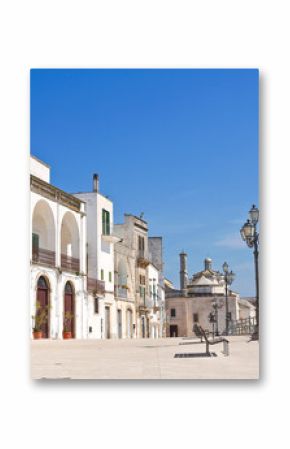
(70, 263)
(245, 326)
(43, 256)
(122, 292)
(96, 286)
(142, 258)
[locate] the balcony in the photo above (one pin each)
(43, 257)
(121, 292)
(143, 309)
(111, 238)
(142, 259)
(96, 287)
(53, 193)
(145, 304)
(70, 263)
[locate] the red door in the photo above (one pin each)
(69, 309)
(43, 304)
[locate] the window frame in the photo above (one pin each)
(106, 216)
(96, 305)
(173, 313)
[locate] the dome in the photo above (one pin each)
(207, 263)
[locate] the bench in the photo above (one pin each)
(208, 342)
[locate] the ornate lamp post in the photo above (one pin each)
(228, 277)
(211, 319)
(250, 235)
(215, 315)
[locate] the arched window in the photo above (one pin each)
(42, 283)
(68, 288)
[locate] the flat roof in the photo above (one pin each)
(39, 160)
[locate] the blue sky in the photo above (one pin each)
(179, 145)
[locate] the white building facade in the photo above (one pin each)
(102, 311)
(57, 256)
(89, 277)
(144, 273)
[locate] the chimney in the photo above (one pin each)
(183, 270)
(96, 183)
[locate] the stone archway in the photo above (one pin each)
(69, 309)
(42, 306)
(43, 234)
(70, 243)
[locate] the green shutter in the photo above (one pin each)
(108, 222)
(103, 221)
(35, 243)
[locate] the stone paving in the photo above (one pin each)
(142, 359)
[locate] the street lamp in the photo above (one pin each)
(211, 319)
(250, 235)
(215, 317)
(228, 277)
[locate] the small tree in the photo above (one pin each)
(67, 321)
(40, 317)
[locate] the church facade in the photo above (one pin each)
(199, 298)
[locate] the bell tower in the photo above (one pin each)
(183, 271)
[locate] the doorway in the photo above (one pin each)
(42, 298)
(129, 323)
(173, 330)
(119, 323)
(107, 322)
(143, 326)
(69, 309)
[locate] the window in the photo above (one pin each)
(102, 275)
(172, 312)
(96, 305)
(42, 283)
(68, 288)
(105, 222)
(110, 276)
(142, 279)
(195, 317)
(141, 243)
(142, 292)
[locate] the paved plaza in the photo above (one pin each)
(142, 359)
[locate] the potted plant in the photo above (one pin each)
(67, 333)
(40, 317)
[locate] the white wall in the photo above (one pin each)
(100, 257)
(39, 169)
(56, 278)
